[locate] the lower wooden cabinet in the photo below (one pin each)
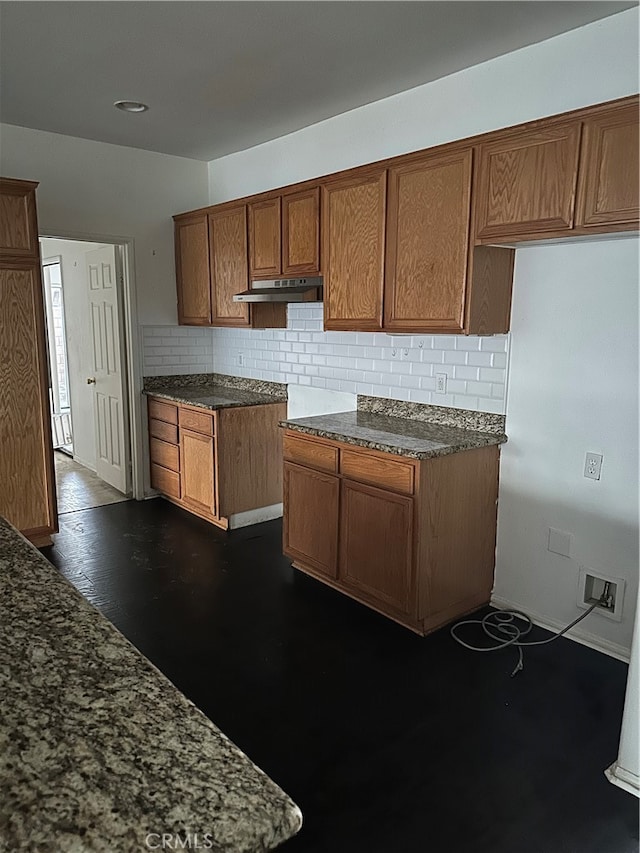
(414, 540)
(216, 464)
(312, 535)
(197, 475)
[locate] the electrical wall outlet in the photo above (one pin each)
(592, 586)
(404, 353)
(593, 466)
(240, 359)
(441, 383)
(394, 352)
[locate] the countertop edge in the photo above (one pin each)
(488, 440)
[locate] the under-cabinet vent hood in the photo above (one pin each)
(283, 290)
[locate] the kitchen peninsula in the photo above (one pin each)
(98, 750)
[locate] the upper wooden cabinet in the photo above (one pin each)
(18, 220)
(526, 181)
(428, 210)
(284, 235)
(228, 264)
(353, 235)
(212, 265)
(264, 238)
(608, 190)
(192, 271)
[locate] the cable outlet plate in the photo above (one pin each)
(591, 586)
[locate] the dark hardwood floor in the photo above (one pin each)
(388, 742)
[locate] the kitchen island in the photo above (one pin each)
(98, 750)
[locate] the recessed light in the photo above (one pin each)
(131, 106)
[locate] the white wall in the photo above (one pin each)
(573, 388)
(91, 189)
(79, 344)
(589, 65)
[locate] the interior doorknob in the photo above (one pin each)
(91, 380)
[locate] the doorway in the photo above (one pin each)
(83, 283)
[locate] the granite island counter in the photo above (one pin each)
(98, 750)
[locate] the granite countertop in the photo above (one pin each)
(98, 749)
(215, 390)
(402, 436)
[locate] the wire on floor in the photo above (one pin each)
(500, 626)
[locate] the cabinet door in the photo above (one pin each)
(264, 238)
(192, 271)
(18, 219)
(353, 224)
(27, 485)
(428, 214)
(301, 233)
(527, 181)
(310, 520)
(609, 169)
(376, 545)
(229, 272)
(197, 475)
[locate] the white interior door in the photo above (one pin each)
(108, 377)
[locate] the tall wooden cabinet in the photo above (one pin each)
(27, 478)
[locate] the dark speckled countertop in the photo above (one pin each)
(98, 750)
(399, 435)
(215, 390)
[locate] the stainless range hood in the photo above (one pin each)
(283, 290)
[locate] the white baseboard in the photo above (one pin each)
(624, 779)
(593, 641)
(255, 516)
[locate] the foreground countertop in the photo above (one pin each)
(98, 750)
(401, 436)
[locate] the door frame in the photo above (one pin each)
(129, 329)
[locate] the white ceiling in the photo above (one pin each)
(223, 76)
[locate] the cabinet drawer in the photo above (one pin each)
(167, 455)
(378, 471)
(163, 431)
(163, 411)
(309, 452)
(196, 421)
(167, 482)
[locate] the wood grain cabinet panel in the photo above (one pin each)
(165, 481)
(228, 264)
(428, 215)
(379, 470)
(311, 535)
(609, 178)
(197, 482)
(27, 477)
(301, 233)
(376, 544)
(527, 181)
(18, 220)
(192, 271)
(162, 411)
(196, 421)
(165, 454)
(163, 431)
(308, 451)
(264, 238)
(353, 231)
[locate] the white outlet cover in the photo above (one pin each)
(616, 613)
(441, 383)
(593, 466)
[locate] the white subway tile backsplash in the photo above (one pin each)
(357, 362)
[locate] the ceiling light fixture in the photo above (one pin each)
(131, 106)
